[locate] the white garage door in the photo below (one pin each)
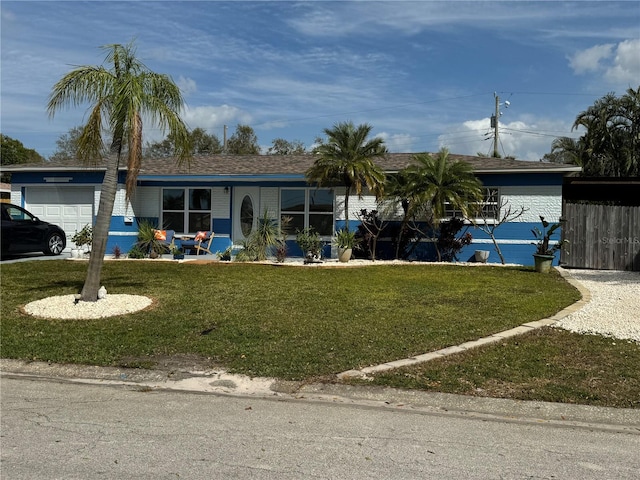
(71, 208)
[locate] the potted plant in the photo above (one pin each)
(177, 252)
(545, 253)
(82, 239)
(346, 242)
(224, 256)
(309, 242)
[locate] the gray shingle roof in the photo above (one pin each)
(287, 165)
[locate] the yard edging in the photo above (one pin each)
(496, 337)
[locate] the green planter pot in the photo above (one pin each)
(542, 263)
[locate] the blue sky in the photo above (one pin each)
(423, 74)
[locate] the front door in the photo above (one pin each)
(246, 210)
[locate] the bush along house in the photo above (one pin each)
(228, 194)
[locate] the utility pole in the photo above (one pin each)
(224, 139)
(495, 124)
(496, 133)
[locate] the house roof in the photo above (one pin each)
(284, 165)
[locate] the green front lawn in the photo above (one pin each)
(547, 364)
(311, 323)
(282, 321)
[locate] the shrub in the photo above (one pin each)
(83, 237)
(309, 242)
(136, 252)
(448, 245)
(147, 241)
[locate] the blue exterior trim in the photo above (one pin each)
(190, 179)
(74, 177)
(515, 179)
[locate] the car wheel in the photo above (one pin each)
(55, 244)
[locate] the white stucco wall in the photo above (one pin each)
(270, 199)
(543, 200)
(220, 203)
(16, 194)
(355, 205)
(540, 200)
(145, 203)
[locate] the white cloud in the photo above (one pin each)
(187, 85)
(618, 64)
(527, 139)
(210, 117)
(589, 60)
(626, 64)
(398, 142)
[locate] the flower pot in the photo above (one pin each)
(344, 254)
(311, 257)
(542, 263)
(75, 253)
(482, 256)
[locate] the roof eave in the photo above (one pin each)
(570, 169)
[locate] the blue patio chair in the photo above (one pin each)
(165, 236)
(201, 243)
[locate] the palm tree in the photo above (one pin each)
(568, 150)
(439, 182)
(347, 158)
(435, 182)
(612, 138)
(119, 97)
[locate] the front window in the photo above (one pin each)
(490, 206)
(308, 208)
(186, 210)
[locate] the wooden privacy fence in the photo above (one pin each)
(602, 237)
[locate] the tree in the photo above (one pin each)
(280, 146)
(566, 150)
(494, 217)
(347, 158)
(67, 145)
(440, 183)
(610, 147)
(243, 142)
(13, 152)
(202, 143)
(119, 97)
(399, 190)
(436, 184)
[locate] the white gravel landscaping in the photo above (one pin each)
(64, 307)
(614, 309)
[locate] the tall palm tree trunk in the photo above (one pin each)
(101, 230)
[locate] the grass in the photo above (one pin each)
(547, 364)
(292, 323)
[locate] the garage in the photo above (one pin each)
(71, 208)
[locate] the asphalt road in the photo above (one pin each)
(61, 430)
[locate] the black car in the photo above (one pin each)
(21, 232)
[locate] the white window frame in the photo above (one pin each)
(306, 213)
(490, 197)
(186, 211)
